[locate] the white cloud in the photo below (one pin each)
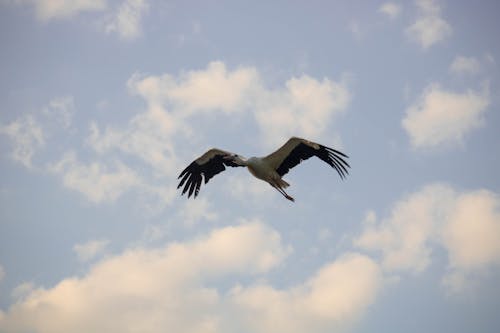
(333, 297)
(403, 238)
(465, 65)
(27, 136)
(2, 273)
(440, 117)
(90, 249)
(158, 136)
(170, 289)
(429, 28)
(151, 135)
(95, 180)
(306, 107)
(390, 9)
(61, 9)
(151, 290)
(213, 88)
(465, 224)
(472, 235)
(148, 136)
(127, 20)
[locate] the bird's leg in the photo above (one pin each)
(282, 191)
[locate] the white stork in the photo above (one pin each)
(269, 169)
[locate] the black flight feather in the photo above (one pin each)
(303, 151)
(192, 174)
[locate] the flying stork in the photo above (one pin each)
(269, 169)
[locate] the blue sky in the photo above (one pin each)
(103, 103)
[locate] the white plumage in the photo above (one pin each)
(270, 168)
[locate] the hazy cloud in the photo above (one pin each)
(429, 28)
(440, 117)
(97, 181)
(197, 210)
(126, 22)
(390, 9)
(465, 65)
(61, 111)
(61, 9)
(27, 136)
(90, 249)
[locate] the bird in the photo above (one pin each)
(270, 168)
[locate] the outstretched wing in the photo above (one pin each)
(207, 165)
(296, 150)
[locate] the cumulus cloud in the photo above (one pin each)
(440, 117)
(390, 9)
(155, 137)
(97, 181)
(306, 107)
(61, 9)
(404, 238)
(465, 65)
(27, 136)
(465, 224)
(171, 289)
(89, 250)
(151, 290)
(472, 238)
(126, 22)
(333, 297)
(429, 28)
(214, 88)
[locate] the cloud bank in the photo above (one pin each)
(171, 289)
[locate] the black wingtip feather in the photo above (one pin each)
(195, 174)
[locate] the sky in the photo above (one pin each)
(103, 103)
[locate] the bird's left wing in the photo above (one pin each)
(296, 150)
(207, 165)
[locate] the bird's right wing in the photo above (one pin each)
(208, 165)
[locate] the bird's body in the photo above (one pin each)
(260, 169)
(270, 168)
